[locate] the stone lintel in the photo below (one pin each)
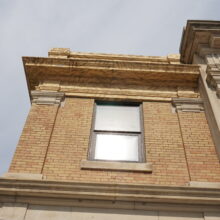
(188, 104)
(47, 97)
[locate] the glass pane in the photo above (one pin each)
(117, 118)
(116, 147)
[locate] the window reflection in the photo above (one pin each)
(116, 147)
(117, 118)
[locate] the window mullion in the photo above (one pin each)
(117, 132)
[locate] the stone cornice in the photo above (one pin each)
(126, 196)
(103, 71)
(198, 37)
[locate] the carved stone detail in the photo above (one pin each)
(188, 104)
(204, 50)
(213, 72)
(47, 97)
(201, 38)
(214, 41)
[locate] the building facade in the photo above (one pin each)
(120, 137)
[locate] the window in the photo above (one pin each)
(117, 132)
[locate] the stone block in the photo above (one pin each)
(13, 211)
(31, 176)
(36, 212)
(212, 215)
(180, 216)
(109, 214)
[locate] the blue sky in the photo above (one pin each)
(31, 28)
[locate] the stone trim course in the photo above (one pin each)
(122, 196)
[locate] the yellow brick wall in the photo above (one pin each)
(69, 142)
(30, 153)
(202, 158)
(164, 144)
(56, 150)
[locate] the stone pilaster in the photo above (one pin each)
(201, 45)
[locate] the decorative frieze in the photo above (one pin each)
(204, 50)
(47, 97)
(109, 72)
(188, 104)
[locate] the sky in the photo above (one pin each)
(32, 28)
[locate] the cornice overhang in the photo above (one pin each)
(109, 195)
(198, 37)
(108, 71)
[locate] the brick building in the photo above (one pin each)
(120, 137)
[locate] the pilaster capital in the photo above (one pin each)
(47, 97)
(188, 104)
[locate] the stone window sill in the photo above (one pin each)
(119, 166)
